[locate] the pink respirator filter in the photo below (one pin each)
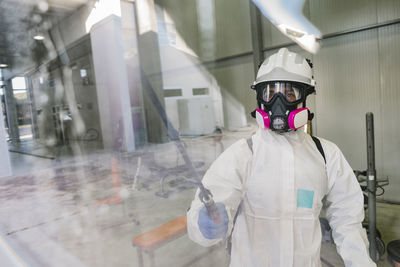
(262, 119)
(297, 118)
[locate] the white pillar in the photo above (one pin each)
(112, 84)
(5, 166)
(11, 108)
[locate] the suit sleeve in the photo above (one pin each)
(224, 180)
(345, 210)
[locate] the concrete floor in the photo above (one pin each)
(85, 210)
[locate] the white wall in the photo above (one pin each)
(183, 71)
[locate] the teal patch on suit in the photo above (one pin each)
(305, 198)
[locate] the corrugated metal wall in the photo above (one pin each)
(389, 64)
(347, 76)
(334, 16)
(234, 76)
(233, 35)
(357, 73)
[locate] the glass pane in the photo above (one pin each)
(112, 113)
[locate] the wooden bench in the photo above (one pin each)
(153, 239)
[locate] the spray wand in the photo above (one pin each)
(205, 194)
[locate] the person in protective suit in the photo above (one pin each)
(269, 192)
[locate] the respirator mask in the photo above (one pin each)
(282, 105)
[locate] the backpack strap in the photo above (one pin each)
(319, 146)
(229, 239)
(250, 143)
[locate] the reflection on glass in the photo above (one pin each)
(87, 178)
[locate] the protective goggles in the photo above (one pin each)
(292, 92)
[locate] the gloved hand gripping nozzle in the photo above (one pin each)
(212, 210)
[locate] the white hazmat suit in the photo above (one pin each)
(284, 183)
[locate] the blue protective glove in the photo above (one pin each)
(208, 228)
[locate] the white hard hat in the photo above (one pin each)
(285, 66)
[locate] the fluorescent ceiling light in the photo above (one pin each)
(3, 65)
(38, 37)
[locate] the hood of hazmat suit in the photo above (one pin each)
(282, 185)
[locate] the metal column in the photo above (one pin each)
(371, 184)
(256, 36)
(151, 68)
